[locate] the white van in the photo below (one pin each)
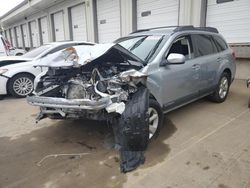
(4, 49)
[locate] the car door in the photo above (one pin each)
(206, 54)
(179, 81)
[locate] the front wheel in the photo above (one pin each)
(155, 118)
(21, 85)
(222, 89)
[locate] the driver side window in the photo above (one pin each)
(182, 46)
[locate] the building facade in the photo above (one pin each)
(36, 22)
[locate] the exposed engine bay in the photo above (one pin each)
(109, 87)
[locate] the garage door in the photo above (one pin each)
(13, 38)
(58, 22)
(108, 16)
(44, 30)
(25, 35)
(231, 18)
(19, 37)
(9, 36)
(33, 33)
(5, 34)
(157, 13)
(78, 22)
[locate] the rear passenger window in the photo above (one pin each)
(220, 43)
(204, 45)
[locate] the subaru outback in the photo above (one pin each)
(134, 81)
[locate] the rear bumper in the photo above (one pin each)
(80, 104)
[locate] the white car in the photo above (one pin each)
(17, 73)
(17, 51)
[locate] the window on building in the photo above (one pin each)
(223, 1)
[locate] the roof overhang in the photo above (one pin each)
(25, 9)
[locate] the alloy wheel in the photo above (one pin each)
(153, 121)
(23, 86)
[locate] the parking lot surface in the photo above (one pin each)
(201, 145)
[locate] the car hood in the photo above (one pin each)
(82, 55)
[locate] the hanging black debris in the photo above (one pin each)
(131, 131)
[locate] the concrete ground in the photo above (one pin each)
(201, 145)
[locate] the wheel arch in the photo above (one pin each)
(228, 71)
(151, 96)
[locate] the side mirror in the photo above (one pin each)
(175, 58)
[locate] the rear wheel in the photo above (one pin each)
(222, 89)
(21, 85)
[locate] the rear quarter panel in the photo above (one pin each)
(228, 62)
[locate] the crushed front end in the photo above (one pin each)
(110, 87)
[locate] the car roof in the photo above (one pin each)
(168, 30)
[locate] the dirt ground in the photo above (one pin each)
(201, 145)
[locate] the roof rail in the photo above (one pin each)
(210, 29)
(181, 28)
(190, 27)
(184, 28)
(163, 27)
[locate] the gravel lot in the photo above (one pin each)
(201, 145)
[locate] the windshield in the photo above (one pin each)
(141, 46)
(37, 51)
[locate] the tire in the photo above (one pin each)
(249, 103)
(1, 97)
(21, 85)
(222, 89)
(154, 124)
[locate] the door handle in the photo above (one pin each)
(196, 67)
(219, 59)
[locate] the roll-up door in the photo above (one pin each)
(5, 34)
(78, 22)
(44, 30)
(19, 36)
(58, 25)
(157, 13)
(231, 18)
(13, 37)
(25, 35)
(9, 36)
(33, 33)
(108, 17)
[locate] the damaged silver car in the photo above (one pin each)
(132, 82)
(100, 82)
